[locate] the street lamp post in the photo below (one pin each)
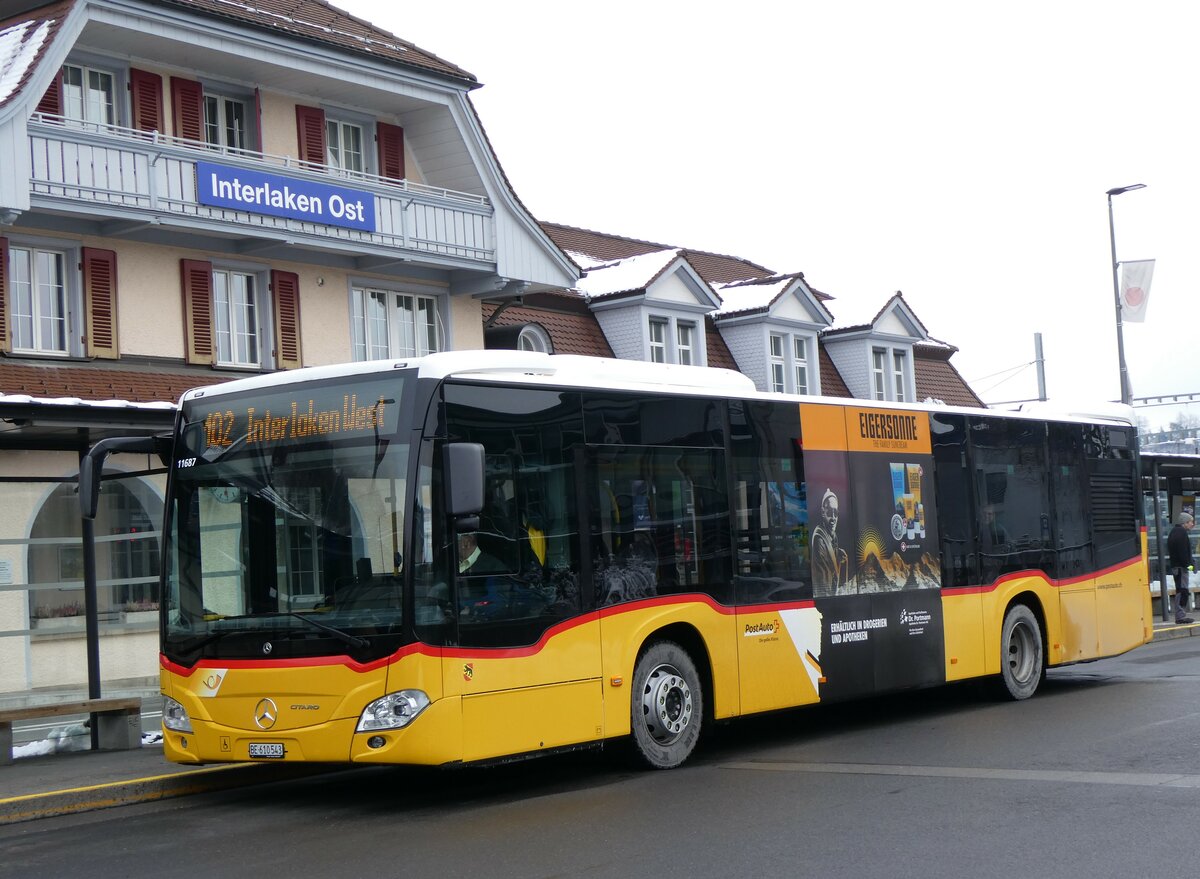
(1126, 395)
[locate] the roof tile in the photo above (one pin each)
(325, 23)
(93, 383)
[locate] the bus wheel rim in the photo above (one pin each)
(1021, 652)
(666, 704)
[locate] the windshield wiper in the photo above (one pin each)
(344, 637)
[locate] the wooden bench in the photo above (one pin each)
(119, 722)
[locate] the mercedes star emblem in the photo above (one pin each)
(265, 713)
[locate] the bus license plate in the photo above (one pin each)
(266, 749)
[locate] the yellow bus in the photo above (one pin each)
(481, 556)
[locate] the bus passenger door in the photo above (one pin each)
(527, 660)
(1074, 567)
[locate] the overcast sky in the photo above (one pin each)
(958, 152)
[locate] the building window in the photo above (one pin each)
(658, 340)
(800, 363)
(225, 122)
(390, 324)
(534, 339)
(39, 300)
(787, 357)
(898, 375)
(684, 334)
(344, 146)
(778, 367)
(890, 374)
(878, 376)
(88, 95)
(237, 317)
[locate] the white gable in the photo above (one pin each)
(677, 286)
(793, 307)
(892, 324)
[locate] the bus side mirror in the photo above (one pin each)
(464, 484)
(92, 465)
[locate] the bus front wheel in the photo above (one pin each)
(667, 707)
(1022, 659)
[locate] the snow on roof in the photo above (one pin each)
(742, 296)
(19, 48)
(585, 261)
(76, 401)
(848, 313)
(621, 275)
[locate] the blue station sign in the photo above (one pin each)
(278, 196)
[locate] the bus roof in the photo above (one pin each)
(567, 369)
(573, 370)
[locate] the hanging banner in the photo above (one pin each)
(1135, 289)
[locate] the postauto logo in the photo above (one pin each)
(755, 630)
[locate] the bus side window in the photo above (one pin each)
(529, 527)
(1009, 460)
(660, 523)
(771, 516)
(1069, 494)
(955, 506)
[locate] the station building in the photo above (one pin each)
(194, 190)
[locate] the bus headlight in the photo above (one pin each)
(393, 711)
(175, 716)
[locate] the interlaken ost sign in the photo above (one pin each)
(279, 196)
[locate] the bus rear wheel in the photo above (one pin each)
(1022, 658)
(667, 708)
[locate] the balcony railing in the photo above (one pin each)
(148, 173)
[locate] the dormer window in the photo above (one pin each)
(658, 340)
(800, 363)
(673, 339)
(890, 374)
(684, 334)
(788, 363)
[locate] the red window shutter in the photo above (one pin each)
(391, 150)
(3, 294)
(196, 277)
(187, 108)
(52, 102)
(100, 302)
(145, 91)
(310, 134)
(285, 302)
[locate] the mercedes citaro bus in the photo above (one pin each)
(477, 556)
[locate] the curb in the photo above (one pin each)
(1170, 631)
(31, 807)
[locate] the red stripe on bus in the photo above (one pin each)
(1041, 575)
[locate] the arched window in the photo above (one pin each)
(127, 551)
(534, 338)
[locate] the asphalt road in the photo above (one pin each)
(1097, 776)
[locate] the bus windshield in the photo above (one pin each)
(286, 533)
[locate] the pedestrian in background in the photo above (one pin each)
(1179, 548)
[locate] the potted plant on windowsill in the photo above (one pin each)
(141, 612)
(63, 617)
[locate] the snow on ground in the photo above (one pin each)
(74, 737)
